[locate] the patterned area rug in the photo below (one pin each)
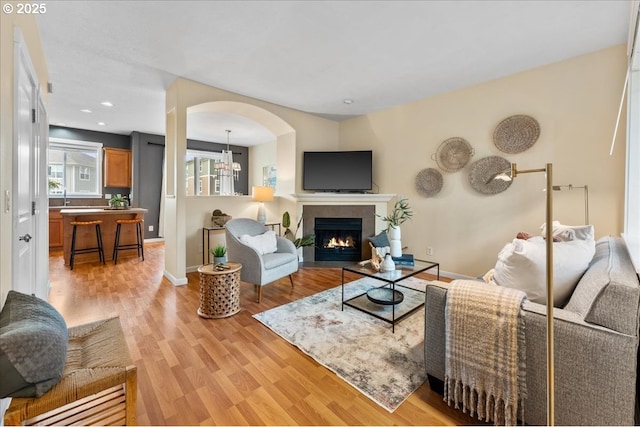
(386, 367)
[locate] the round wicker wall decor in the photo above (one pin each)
(483, 172)
(516, 134)
(453, 154)
(429, 182)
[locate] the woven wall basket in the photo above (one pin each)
(429, 182)
(516, 134)
(482, 172)
(453, 154)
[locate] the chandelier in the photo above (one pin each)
(227, 170)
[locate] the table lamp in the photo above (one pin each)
(262, 194)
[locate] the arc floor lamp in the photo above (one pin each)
(548, 170)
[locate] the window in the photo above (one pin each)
(74, 167)
(200, 173)
(84, 173)
(632, 185)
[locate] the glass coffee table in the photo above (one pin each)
(386, 297)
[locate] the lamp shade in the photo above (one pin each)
(263, 194)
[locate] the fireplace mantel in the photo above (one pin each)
(342, 198)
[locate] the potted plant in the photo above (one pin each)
(400, 214)
(219, 254)
(117, 202)
(308, 240)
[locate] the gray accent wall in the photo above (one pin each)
(147, 152)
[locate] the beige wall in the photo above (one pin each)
(295, 132)
(260, 156)
(576, 103)
(29, 30)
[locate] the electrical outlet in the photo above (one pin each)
(429, 250)
(107, 196)
(151, 228)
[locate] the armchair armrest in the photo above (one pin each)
(286, 245)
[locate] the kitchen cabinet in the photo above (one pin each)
(56, 229)
(117, 167)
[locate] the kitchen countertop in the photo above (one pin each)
(99, 210)
(79, 207)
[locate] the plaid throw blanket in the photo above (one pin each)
(485, 353)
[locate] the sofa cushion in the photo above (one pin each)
(565, 233)
(609, 292)
(522, 265)
(33, 346)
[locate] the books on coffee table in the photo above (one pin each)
(404, 259)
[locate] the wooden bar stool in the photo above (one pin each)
(139, 238)
(98, 249)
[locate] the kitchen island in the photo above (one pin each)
(86, 236)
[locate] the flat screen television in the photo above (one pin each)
(337, 171)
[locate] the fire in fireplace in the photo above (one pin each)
(338, 239)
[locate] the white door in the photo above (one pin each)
(23, 157)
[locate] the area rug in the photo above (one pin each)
(362, 350)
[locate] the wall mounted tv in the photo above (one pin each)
(339, 171)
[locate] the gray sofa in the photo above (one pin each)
(596, 344)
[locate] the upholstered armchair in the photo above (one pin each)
(263, 260)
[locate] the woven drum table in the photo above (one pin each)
(219, 291)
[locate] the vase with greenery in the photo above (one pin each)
(400, 213)
(308, 240)
(219, 254)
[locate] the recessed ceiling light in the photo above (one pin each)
(106, 104)
(86, 110)
(348, 101)
(102, 124)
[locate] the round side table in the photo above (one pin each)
(219, 291)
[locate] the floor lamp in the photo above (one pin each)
(586, 198)
(507, 176)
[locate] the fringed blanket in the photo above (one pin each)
(485, 353)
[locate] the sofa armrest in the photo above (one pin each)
(594, 370)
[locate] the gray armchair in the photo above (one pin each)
(256, 268)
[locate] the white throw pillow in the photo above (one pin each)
(265, 243)
(522, 265)
(565, 233)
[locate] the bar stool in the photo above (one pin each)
(139, 240)
(98, 249)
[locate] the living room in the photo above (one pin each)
(575, 102)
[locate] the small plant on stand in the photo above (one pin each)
(400, 214)
(219, 254)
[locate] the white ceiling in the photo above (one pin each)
(306, 55)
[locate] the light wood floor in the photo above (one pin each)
(233, 371)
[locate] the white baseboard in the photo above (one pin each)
(155, 239)
(193, 268)
(450, 275)
(173, 279)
